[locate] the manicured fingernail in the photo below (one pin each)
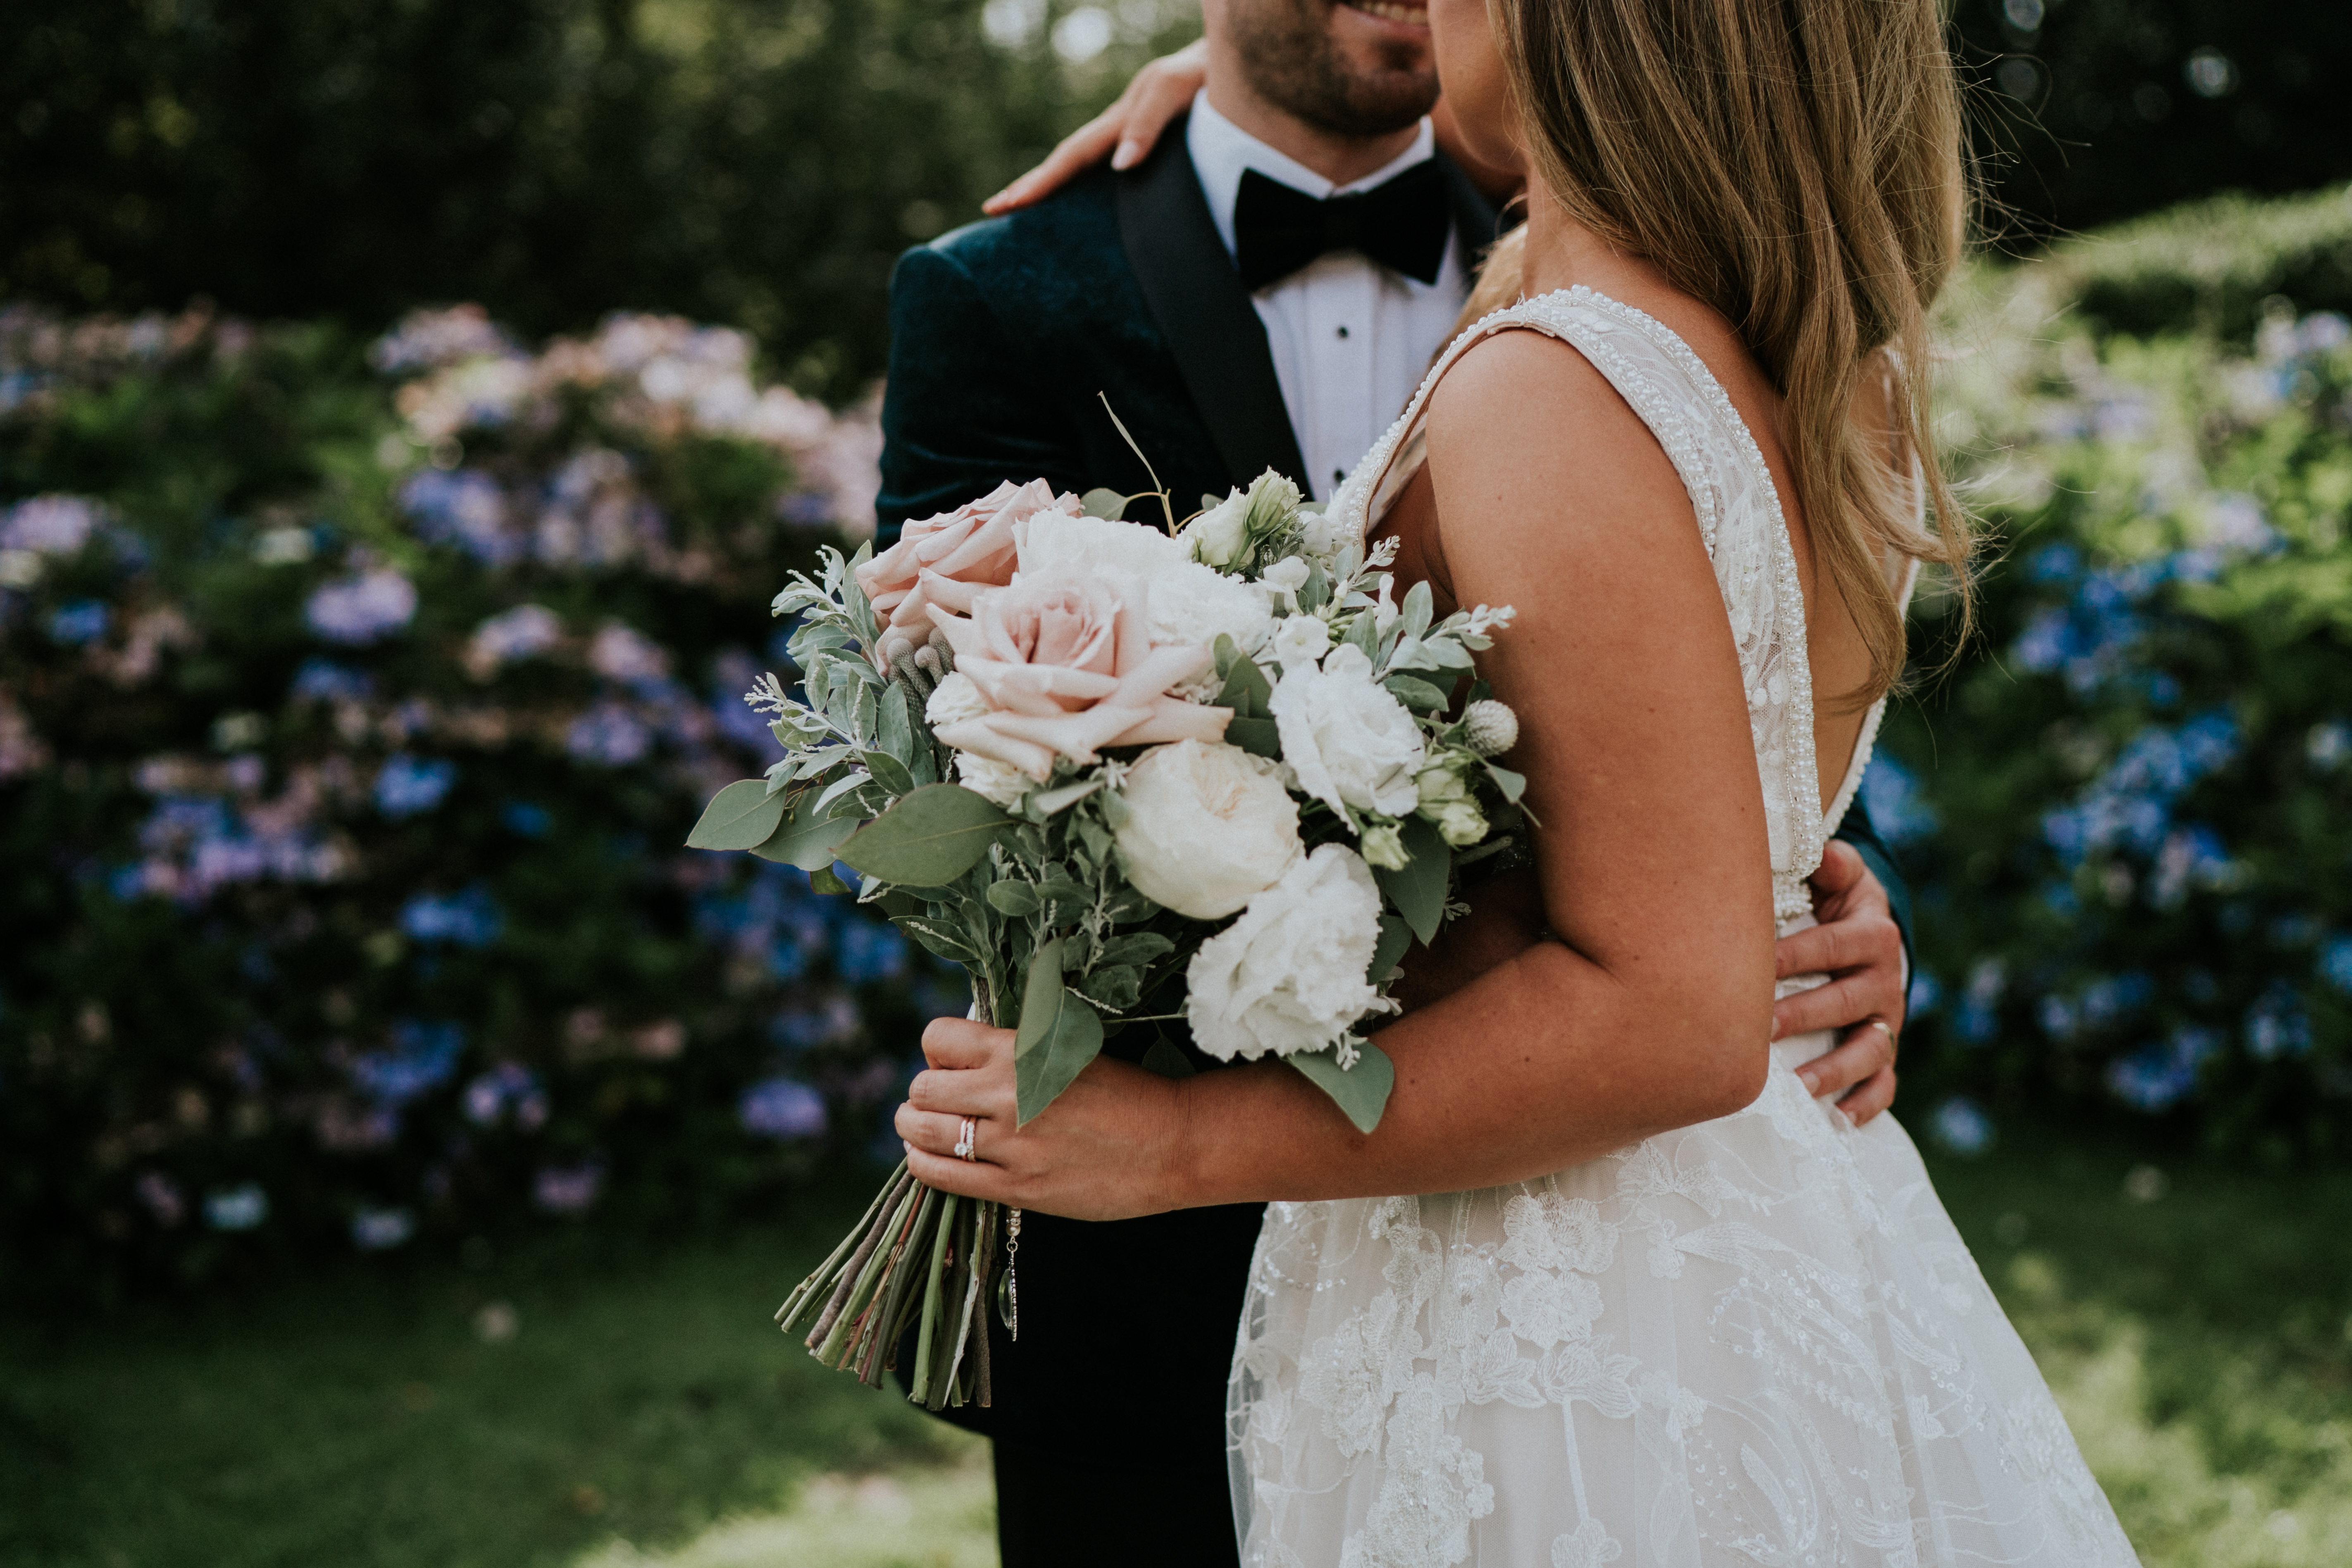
(1812, 1085)
(1125, 157)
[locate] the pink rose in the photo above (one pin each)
(1065, 661)
(945, 559)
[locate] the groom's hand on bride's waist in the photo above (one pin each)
(1858, 945)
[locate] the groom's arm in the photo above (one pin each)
(1858, 830)
(967, 404)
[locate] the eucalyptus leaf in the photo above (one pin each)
(1365, 636)
(1258, 737)
(741, 816)
(929, 839)
(808, 841)
(1058, 1035)
(837, 789)
(898, 724)
(1396, 937)
(1136, 947)
(823, 880)
(1315, 590)
(1417, 603)
(1165, 1059)
(1104, 503)
(1418, 695)
(888, 772)
(1225, 651)
(1067, 894)
(1247, 691)
(1012, 898)
(946, 940)
(1114, 987)
(1361, 1091)
(1513, 786)
(1418, 891)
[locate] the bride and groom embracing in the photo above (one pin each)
(1671, 1291)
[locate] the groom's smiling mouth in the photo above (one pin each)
(1392, 11)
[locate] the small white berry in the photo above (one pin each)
(1493, 729)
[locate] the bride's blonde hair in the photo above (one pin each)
(1797, 165)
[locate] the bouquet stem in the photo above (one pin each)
(920, 1259)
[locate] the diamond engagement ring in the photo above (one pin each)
(963, 1148)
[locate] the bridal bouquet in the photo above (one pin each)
(1125, 777)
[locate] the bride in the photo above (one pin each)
(1656, 1304)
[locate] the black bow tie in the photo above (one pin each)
(1402, 224)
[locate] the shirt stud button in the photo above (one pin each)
(1343, 331)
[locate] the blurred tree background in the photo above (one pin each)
(759, 163)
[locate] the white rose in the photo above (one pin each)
(956, 699)
(1301, 640)
(1289, 974)
(1319, 533)
(1220, 536)
(1190, 604)
(1207, 826)
(1350, 743)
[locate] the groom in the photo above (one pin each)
(1266, 290)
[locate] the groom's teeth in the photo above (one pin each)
(1411, 15)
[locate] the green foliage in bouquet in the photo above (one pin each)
(346, 711)
(2127, 819)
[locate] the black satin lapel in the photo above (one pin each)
(1475, 218)
(1211, 326)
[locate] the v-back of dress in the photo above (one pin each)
(1757, 1341)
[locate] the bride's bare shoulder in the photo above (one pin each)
(1527, 435)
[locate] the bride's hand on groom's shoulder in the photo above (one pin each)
(1125, 132)
(1858, 945)
(1111, 1146)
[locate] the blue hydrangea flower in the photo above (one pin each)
(2158, 1077)
(782, 1108)
(508, 1086)
(568, 1189)
(421, 1058)
(407, 785)
(1921, 1001)
(470, 918)
(463, 508)
(2335, 963)
(2277, 1025)
(1961, 1126)
(377, 1230)
(324, 680)
(525, 820)
(236, 1208)
(81, 622)
(1891, 796)
(867, 950)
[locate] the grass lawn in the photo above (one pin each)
(644, 1411)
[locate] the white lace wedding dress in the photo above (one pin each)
(1757, 1341)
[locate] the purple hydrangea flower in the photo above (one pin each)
(510, 1085)
(361, 609)
(519, 633)
(608, 735)
(569, 1189)
(464, 508)
(49, 525)
(782, 1108)
(324, 680)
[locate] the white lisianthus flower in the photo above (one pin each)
(1289, 974)
(1384, 846)
(1446, 800)
(1349, 741)
(957, 699)
(1208, 826)
(1318, 534)
(1301, 640)
(1190, 604)
(1283, 579)
(1220, 536)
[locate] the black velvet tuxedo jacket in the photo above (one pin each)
(1007, 338)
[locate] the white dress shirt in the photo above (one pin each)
(1350, 339)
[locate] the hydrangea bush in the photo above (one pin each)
(354, 703)
(2126, 811)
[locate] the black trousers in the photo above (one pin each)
(1108, 1417)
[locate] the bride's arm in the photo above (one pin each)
(1653, 1009)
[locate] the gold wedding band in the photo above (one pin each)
(963, 1148)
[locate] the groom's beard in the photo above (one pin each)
(1292, 61)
